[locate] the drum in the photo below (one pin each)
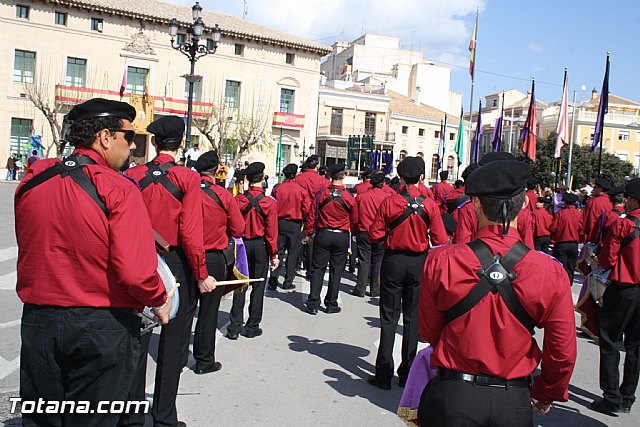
(166, 276)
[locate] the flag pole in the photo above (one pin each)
(601, 130)
(573, 132)
(501, 121)
(473, 75)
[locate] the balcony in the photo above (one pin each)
(288, 120)
(341, 134)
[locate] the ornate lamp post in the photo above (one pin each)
(193, 50)
(303, 155)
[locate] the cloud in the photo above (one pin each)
(535, 47)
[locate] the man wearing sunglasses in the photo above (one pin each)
(86, 262)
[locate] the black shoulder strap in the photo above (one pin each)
(70, 166)
(254, 204)
(495, 276)
(206, 188)
(455, 204)
(335, 195)
(631, 237)
(414, 206)
(157, 174)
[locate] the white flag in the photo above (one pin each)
(563, 121)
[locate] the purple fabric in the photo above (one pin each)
(496, 141)
(475, 143)
(603, 108)
(242, 264)
(387, 157)
(419, 375)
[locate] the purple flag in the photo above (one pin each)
(496, 141)
(477, 137)
(603, 108)
(241, 269)
(388, 161)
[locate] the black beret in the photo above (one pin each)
(290, 169)
(421, 163)
(533, 181)
(313, 158)
(444, 175)
(411, 168)
(495, 155)
(206, 161)
(458, 183)
(603, 183)
(167, 127)
(333, 169)
(615, 191)
(395, 180)
(569, 198)
(632, 189)
(544, 200)
(500, 179)
(254, 169)
(469, 169)
(100, 107)
(366, 172)
(304, 166)
(377, 178)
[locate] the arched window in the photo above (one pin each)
(434, 167)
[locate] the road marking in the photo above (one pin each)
(8, 281)
(10, 324)
(8, 253)
(8, 367)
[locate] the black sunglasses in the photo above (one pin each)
(129, 134)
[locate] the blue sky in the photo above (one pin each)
(516, 39)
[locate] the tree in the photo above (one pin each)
(584, 166)
(39, 93)
(216, 126)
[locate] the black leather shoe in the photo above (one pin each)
(373, 380)
(201, 371)
(252, 333)
(333, 310)
(232, 335)
(181, 424)
(625, 408)
(357, 293)
(313, 311)
(288, 286)
(272, 286)
(605, 407)
(375, 294)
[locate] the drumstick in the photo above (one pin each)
(237, 282)
(173, 291)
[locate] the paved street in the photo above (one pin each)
(304, 370)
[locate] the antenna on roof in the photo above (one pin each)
(245, 11)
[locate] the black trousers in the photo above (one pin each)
(369, 261)
(204, 339)
(329, 248)
(75, 354)
(542, 243)
(449, 403)
(619, 319)
(172, 351)
(289, 241)
(567, 254)
(400, 277)
(258, 268)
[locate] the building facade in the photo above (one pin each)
(63, 52)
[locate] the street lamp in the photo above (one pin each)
(193, 50)
(303, 155)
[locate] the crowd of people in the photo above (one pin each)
(466, 266)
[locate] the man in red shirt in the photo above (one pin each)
(531, 193)
(330, 217)
(405, 223)
(293, 207)
(598, 204)
(365, 185)
(616, 195)
(566, 230)
(440, 191)
(479, 316)
(525, 224)
(465, 216)
(369, 254)
(620, 313)
(261, 242)
(543, 220)
(221, 220)
(86, 261)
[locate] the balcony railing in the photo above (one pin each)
(345, 131)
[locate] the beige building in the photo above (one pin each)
(67, 51)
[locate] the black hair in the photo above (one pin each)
(83, 133)
(253, 179)
(458, 184)
(290, 175)
(502, 211)
(412, 180)
(312, 165)
(323, 170)
(34, 152)
(338, 175)
(169, 144)
(617, 199)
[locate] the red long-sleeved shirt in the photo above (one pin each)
(543, 221)
(440, 191)
(368, 206)
(489, 339)
(332, 215)
(525, 227)
(592, 215)
(293, 200)
(533, 199)
(609, 218)
(623, 264)
(220, 223)
(567, 225)
(71, 255)
(312, 182)
(465, 217)
(424, 190)
(363, 187)
(412, 234)
(180, 224)
(257, 226)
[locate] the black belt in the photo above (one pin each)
(174, 248)
(540, 237)
(486, 380)
(558, 243)
(402, 252)
(297, 221)
(214, 251)
(254, 238)
(333, 230)
(625, 285)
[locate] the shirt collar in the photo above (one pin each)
(92, 154)
(494, 232)
(164, 158)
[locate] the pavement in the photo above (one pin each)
(304, 370)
